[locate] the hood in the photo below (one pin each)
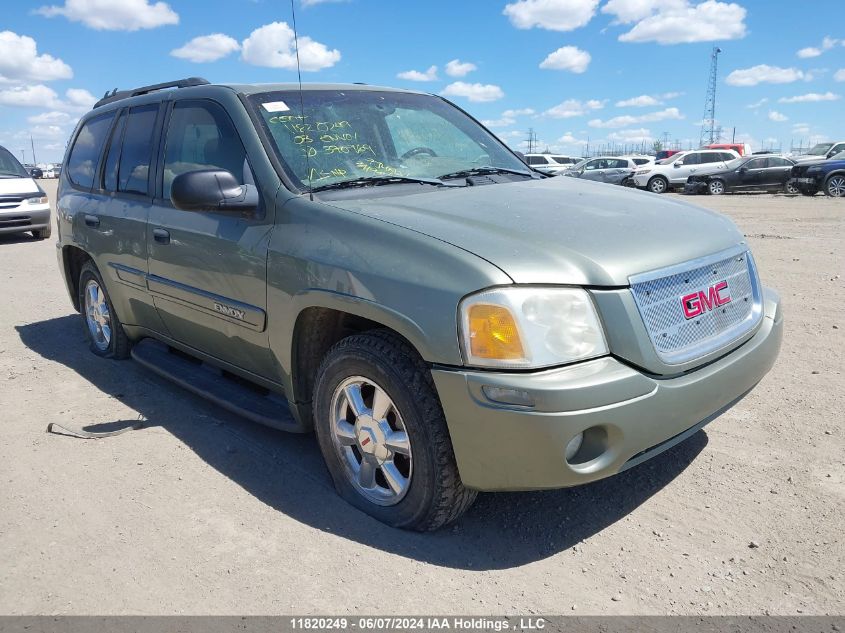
(17, 185)
(559, 230)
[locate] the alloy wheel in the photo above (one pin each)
(369, 435)
(836, 186)
(97, 315)
(717, 187)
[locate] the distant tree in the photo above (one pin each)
(657, 145)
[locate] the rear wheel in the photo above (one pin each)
(791, 188)
(102, 326)
(835, 186)
(716, 187)
(658, 184)
(383, 434)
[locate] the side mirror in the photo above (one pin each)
(743, 169)
(212, 190)
(678, 163)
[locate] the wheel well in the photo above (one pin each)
(832, 174)
(74, 258)
(316, 331)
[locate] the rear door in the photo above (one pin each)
(778, 171)
(617, 169)
(208, 269)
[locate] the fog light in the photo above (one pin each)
(506, 395)
(574, 446)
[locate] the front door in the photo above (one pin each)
(208, 269)
(753, 174)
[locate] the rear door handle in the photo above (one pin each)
(161, 236)
(92, 220)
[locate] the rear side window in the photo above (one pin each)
(711, 157)
(777, 161)
(757, 163)
(200, 135)
(727, 157)
(640, 161)
(536, 160)
(135, 156)
(113, 155)
(83, 159)
(692, 159)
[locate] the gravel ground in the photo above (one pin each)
(202, 513)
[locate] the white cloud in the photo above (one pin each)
(207, 48)
(20, 61)
(573, 108)
(839, 75)
(457, 68)
(108, 15)
(627, 120)
(643, 101)
(569, 58)
(639, 135)
(416, 75)
(54, 117)
(763, 73)
(474, 92)
(758, 104)
(76, 100)
(570, 139)
(553, 15)
(678, 21)
(810, 51)
(272, 45)
(503, 122)
(811, 97)
(777, 116)
(518, 113)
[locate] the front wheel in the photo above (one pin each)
(658, 184)
(791, 188)
(43, 234)
(716, 187)
(835, 186)
(383, 434)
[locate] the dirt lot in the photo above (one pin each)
(202, 513)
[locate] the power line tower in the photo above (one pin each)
(531, 140)
(708, 122)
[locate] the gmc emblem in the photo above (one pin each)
(697, 303)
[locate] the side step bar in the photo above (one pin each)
(253, 403)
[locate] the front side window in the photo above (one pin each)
(757, 163)
(692, 159)
(200, 135)
(136, 153)
(84, 157)
(337, 136)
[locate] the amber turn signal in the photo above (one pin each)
(493, 333)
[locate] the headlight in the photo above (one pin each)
(40, 200)
(809, 169)
(530, 327)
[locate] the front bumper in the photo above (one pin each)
(805, 184)
(695, 187)
(627, 416)
(25, 217)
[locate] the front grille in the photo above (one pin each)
(679, 336)
(10, 202)
(15, 220)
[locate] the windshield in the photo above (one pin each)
(339, 136)
(820, 150)
(9, 165)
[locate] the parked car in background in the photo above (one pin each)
(35, 172)
(743, 149)
(820, 151)
(748, 173)
(640, 159)
(550, 163)
(610, 169)
(23, 204)
(825, 175)
(665, 153)
(672, 173)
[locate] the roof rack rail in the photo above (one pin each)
(114, 95)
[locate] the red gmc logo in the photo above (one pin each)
(698, 303)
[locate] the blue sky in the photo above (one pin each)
(622, 71)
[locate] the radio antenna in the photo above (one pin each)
(301, 101)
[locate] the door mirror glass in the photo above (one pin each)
(212, 190)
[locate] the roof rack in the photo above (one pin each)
(114, 95)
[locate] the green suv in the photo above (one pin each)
(374, 265)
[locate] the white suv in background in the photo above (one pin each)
(673, 172)
(550, 163)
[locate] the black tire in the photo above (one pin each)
(810, 192)
(43, 234)
(435, 495)
(118, 346)
(658, 185)
(716, 187)
(834, 186)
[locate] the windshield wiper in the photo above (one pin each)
(480, 171)
(371, 181)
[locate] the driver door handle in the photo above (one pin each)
(162, 236)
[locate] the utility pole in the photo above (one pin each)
(32, 144)
(23, 156)
(532, 140)
(708, 121)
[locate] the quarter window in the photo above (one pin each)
(134, 170)
(113, 155)
(201, 136)
(83, 159)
